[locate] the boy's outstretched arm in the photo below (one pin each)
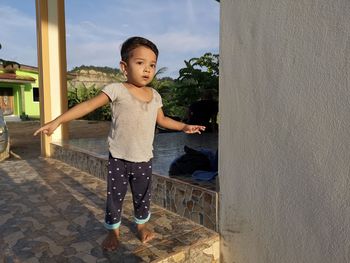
(171, 124)
(76, 112)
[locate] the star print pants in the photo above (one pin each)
(138, 175)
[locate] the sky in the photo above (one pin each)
(182, 29)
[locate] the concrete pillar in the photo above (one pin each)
(284, 131)
(51, 37)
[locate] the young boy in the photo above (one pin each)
(136, 109)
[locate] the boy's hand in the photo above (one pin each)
(48, 128)
(193, 129)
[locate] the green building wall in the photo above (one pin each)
(31, 107)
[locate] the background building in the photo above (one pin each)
(19, 91)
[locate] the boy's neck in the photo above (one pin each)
(131, 85)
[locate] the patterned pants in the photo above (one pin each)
(139, 176)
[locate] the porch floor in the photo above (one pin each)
(52, 212)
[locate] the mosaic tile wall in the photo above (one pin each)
(193, 201)
(84, 161)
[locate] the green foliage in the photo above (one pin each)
(80, 94)
(167, 88)
(199, 75)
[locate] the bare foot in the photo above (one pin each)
(144, 233)
(111, 241)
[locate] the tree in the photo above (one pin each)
(199, 75)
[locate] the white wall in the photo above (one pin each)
(285, 131)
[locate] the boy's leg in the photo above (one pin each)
(140, 184)
(117, 183)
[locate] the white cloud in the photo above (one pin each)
(181, 29)
(14, 19)
(88, 30)
(185, 42)
(94, 53)
(18, 36)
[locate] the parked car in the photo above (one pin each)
(4, 138)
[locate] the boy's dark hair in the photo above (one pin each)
(134, 42)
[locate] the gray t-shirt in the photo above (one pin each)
(133, 124)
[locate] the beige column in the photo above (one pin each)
(51, 37)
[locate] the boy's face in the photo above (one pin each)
(140, 67)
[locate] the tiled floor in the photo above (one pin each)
(183, 195)
(51, 212)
